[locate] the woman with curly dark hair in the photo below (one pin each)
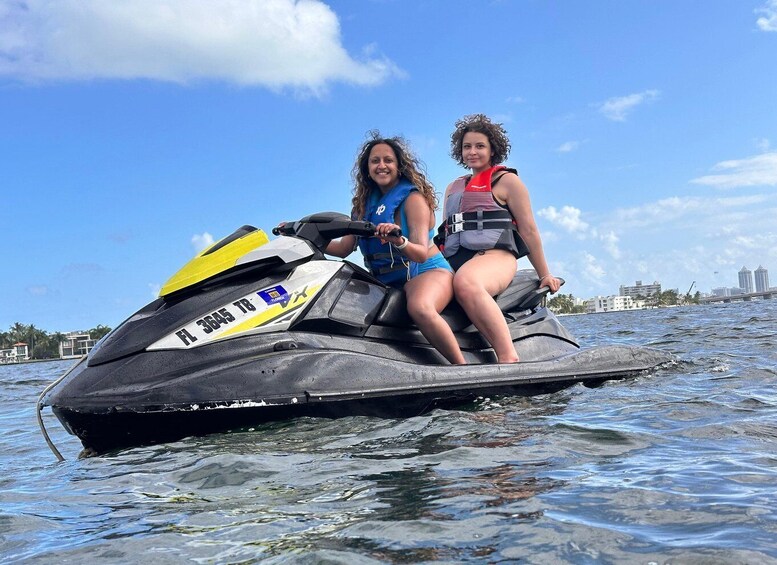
(391, 191)
(487, 225)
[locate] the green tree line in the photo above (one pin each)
(565, 303)
(42, 344)
(670, 298)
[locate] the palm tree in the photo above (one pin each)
(562, 304)
(17, 333)
(31, 329)
(99, 331)
(58, 338)
(48, 348)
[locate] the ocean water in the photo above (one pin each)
(676, 466)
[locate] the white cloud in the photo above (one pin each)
(38, 290)
(758, 241)
(695, 236)
(514, 100)
(202, 241)
(769, 21)
(270, 43)
(568, 146)
(568, 218)
(763, 144)
(760, 170)
(674, 240)
(502, 118)
(155, 289)
(618, 108)
(610, 242)
(592, 270)
(673, 209)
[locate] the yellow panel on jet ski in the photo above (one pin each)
(216, 259)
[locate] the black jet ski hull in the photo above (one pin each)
(253, 331)
(293, 383)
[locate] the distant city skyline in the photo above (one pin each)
(747, 282)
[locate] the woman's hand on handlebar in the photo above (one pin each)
(389, 233)
(551, 282)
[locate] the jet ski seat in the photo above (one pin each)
(394, 312)
(522, 294)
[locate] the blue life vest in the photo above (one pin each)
(385, 264)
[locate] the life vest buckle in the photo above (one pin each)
(455, 223)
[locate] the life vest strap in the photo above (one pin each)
(397, 266)
(488, 219)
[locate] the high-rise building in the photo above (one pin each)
(746, 280)
(761, 279)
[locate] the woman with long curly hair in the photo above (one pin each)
(391, 191)
(487, 225)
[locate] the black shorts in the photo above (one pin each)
(462, 256)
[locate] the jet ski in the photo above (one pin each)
(255, 330)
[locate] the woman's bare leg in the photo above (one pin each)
(427, 295)
(475, 285)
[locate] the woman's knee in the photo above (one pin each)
(420, 308)
(466, 288)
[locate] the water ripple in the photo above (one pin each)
(674, 466)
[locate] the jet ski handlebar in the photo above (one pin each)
(326, 226)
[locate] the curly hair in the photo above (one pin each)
(480, 123)
(408, 165)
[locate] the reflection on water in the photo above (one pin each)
(677, 466)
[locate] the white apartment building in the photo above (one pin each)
(75, 345)
(612, 304)
(19, 352)
(640, 289)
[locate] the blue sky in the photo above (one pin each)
(134, 132)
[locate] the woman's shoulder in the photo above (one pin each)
(416, 199)
(506, 172)
(463, 179)
(507, 176)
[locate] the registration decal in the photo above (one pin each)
(269, 309)
(273, 295)
(263, 308)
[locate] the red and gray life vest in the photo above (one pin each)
(475, 221)
(384, 263)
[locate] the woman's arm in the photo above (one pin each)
(419, 222)
(514, 193)
(342, 247)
